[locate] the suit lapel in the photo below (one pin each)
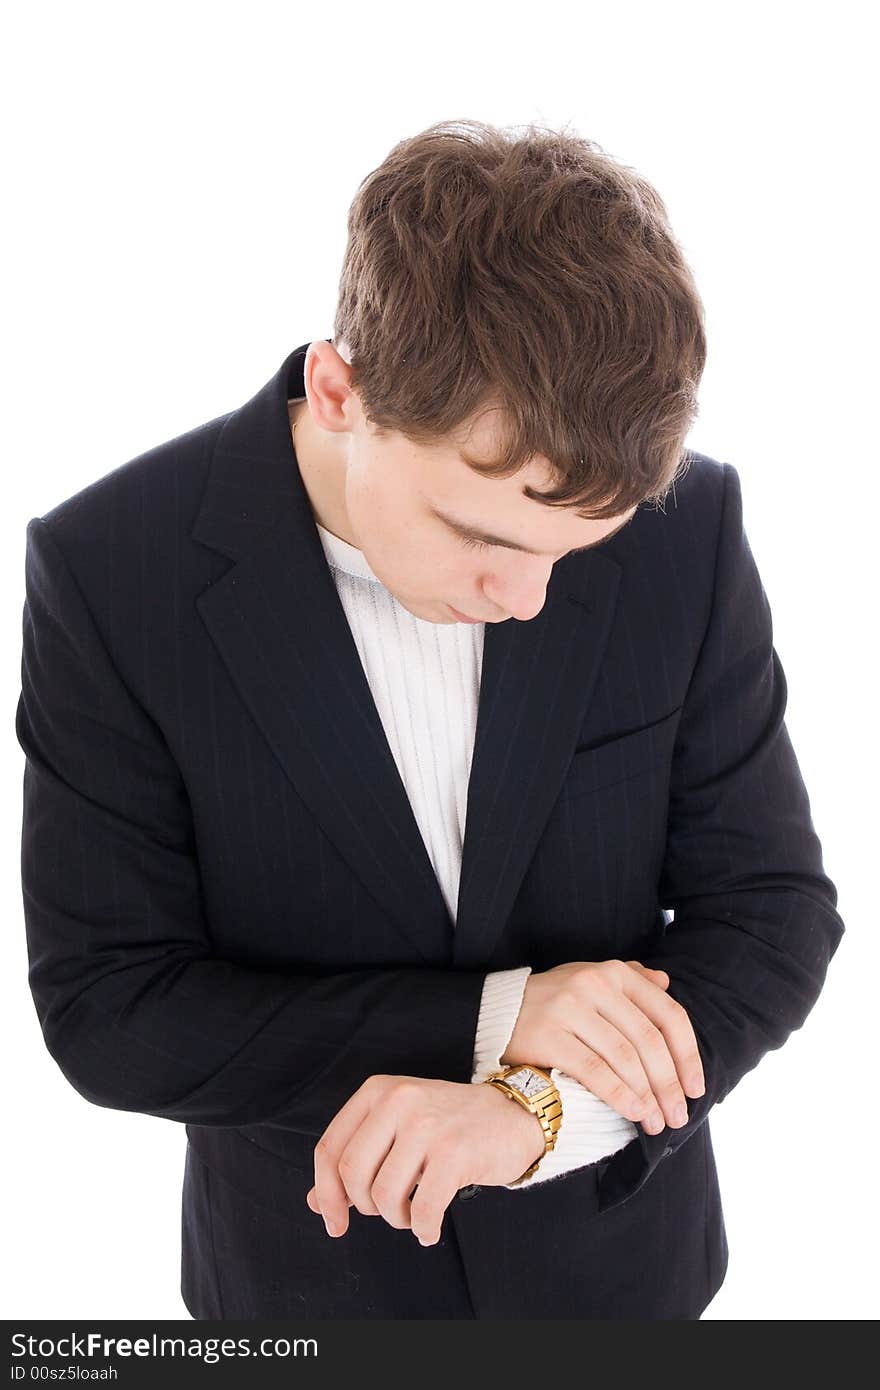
(537, 681)
(280, 628)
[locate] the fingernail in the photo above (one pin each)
(332, 1228)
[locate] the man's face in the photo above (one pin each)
(403, 505)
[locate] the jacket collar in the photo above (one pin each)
(279, 626)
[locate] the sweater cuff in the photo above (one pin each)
(590, 1130)
(499, 1009)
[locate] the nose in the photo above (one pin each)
(522, 592)
(523, 612)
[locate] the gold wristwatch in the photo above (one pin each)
(535, 1090)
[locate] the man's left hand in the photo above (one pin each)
(400, 1133)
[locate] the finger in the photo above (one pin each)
(659, 977)
(605, 1061)
(673, 1021)
(396, 1180)
(330, 1191)
(312, 1201)
(437, 1186)
(364, 1155)
(659, 1029)
(639, 1034)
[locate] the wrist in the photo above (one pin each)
(533, 1090)
(523, 1131)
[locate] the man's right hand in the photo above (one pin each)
(611, 1025)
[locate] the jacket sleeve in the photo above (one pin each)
(135, 1007)
(755, 922)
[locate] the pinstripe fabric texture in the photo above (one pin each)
(425, 682)
(232, 920)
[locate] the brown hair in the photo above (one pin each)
(523, 269)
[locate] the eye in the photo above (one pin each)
(472, 544)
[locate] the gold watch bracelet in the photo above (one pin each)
(545, 1105)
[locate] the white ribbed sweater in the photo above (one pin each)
(425, 681)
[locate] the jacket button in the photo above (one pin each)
(667, 1151)
(470, 1191)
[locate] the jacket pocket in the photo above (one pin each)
(617, 759)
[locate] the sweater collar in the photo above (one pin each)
(345, 557)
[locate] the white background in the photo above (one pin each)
(177, 179)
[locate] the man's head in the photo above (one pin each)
(517, 344)
(422, 516)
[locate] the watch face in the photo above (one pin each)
(526, 1081)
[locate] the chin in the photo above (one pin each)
(424, 617)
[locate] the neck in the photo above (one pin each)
(323, 474)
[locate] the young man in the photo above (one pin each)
(387, 735)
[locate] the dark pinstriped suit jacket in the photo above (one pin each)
(232, 920)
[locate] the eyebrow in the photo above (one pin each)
(473, 533)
